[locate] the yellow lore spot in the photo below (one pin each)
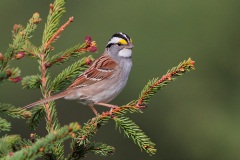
(122, 41)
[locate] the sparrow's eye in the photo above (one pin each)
(119, 44)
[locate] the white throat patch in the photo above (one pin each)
(125, 52)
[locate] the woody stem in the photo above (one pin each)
(44, 89)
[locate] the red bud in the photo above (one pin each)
(10, 154)
(20, 55)
(1, 57)
(93, 49)
(88, 40)
(16, 27)
(8, 73)
(88, 61)
(192, 63)
(16, 79)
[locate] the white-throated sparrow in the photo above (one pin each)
(104, 79)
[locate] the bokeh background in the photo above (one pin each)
(194, 118)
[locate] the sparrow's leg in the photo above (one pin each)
(93, 109)
(108, 105)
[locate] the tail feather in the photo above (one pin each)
(52, 98)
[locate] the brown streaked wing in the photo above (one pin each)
(101, 69)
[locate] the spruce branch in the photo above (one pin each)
(90, 128)
(58, 150)
(80, 145)
(61, 57)
(24, 143)
(37, 114)
(131, 130)
(10, 74)
(55, 36)
(53, 122)
(55, 13)
(74, 52)
(14, 75)
(44, 145)
(7, 143)
(15, 112)
(20, 36)
(156, 84)
(31, 82)
(30, 49)
(44, 88)
(4, 149)
(50, 34)
(102, 149)
(79, 151)
(4, 125)
(10, 110)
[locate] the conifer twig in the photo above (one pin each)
(90, 128)
(157, 84)
(76, 51)
(30, 49)
(44, 88)
(6, 144)
(45, 144)
(15, 112)
(58, 32)
(44, 70)
(20, 36)
(4, 125)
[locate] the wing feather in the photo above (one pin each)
(102, 68)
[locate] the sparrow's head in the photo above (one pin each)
(120, 45)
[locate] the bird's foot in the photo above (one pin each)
(112, 107)
(93, 109)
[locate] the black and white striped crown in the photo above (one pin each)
(119, 38)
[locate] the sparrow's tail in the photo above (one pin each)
(52, 98)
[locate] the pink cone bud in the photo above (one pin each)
(27, 115)
(8, 72)
(93, 43)
(16, 79)
(36, 15)
(88, 40)
(36, 18)
(192, 62)
(10, 154)
(20, 55)
(16, 27)
(1, 57)
(51, 7)
(93, 49)
(88, 61)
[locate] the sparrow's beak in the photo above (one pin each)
(129, 46)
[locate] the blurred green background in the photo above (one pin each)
(194, 118)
